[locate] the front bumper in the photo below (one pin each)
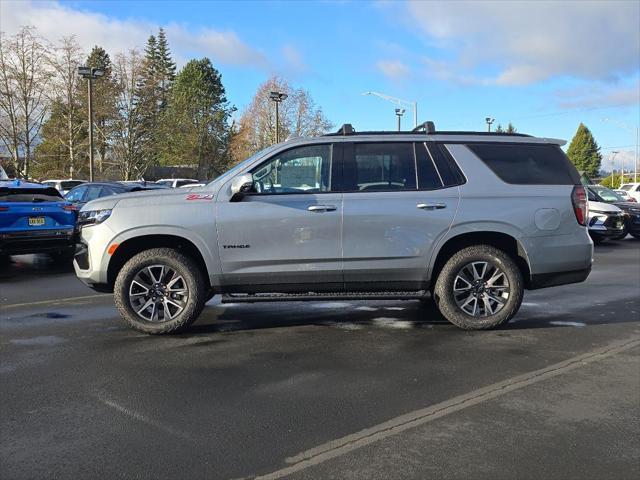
(37, 241)
(606, 225)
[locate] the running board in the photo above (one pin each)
(320, 297)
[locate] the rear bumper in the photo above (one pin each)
(36, 241)
(544, 280)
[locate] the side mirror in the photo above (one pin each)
(240, 186)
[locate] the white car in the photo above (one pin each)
(177, 182)
(63, 186)
(625, 195)
(192, 185)
(605, 221)
(631, 189)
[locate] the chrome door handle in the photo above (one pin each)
(321, 208)
(431, 206)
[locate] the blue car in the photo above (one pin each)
(35, 218)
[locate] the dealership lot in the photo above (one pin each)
(287, 389)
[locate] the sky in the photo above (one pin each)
(543, 65)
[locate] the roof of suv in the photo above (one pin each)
(428, 130)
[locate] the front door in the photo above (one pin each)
(396, 206)
(286, 234)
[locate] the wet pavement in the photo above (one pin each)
(284, 389)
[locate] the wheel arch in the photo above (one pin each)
(135, 245)
(503, 241)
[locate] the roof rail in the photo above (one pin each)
(426, 127)
(346, 129)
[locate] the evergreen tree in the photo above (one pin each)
(584, 151)
(154, 86)
(195, 126)
(165, 69)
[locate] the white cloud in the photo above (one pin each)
(530, 41)
(53, 21)
(599, 96)
(393, 69)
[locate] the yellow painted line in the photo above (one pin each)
(54, 301)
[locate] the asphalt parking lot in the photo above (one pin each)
(333, 390)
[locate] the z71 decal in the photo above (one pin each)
(200, 196)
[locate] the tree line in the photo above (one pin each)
(146, 112)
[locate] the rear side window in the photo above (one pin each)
(527, 164)
(381, 167)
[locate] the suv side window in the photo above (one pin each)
(299, 170)
(527, 164)
(76, 194)
(380, 167)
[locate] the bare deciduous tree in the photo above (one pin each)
(129, 134)
(68, 130)
(299, 116)
(24, 75)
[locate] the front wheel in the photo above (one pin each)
(480, 287)
(160, 291)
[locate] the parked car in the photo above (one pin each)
(630, 210)
(606, 221)
(193, 185)
(625, 195)
(90, 191)
(632, 189)
(177, 182)
(472, 218)
(63, 186)
(34, 218)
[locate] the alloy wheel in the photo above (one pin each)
(481, 289)
(158, 293)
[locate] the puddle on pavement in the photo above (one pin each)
(45, 340)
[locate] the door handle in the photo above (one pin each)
(431, 206)
(321, 208)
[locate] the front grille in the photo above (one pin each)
(614, 221)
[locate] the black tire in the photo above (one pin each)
(444, 293)
(635, 235)
(197, 290)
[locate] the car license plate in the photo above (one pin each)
(36, 221)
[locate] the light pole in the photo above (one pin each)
(489, 121)
(613, 166)
(278, 97)
(90, 74)
(399, 113)
(637, 150)
(400, 103)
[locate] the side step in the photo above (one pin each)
(320, 297)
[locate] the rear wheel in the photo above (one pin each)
(480, 287)
(160, 291)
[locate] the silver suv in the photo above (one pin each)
(468, 219)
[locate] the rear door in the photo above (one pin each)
(286, 234)
(396, 206)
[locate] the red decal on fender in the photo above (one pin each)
(200, 196)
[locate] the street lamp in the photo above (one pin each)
(489, 121)
(90, 74)
(399, 103)
(277, 97)
(399, 113)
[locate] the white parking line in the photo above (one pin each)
(54, 301)
(344, 445)
(141, 418)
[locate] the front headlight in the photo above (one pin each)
(92, 217)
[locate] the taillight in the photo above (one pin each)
(69, 208)
(580, 204)
(4, 209)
